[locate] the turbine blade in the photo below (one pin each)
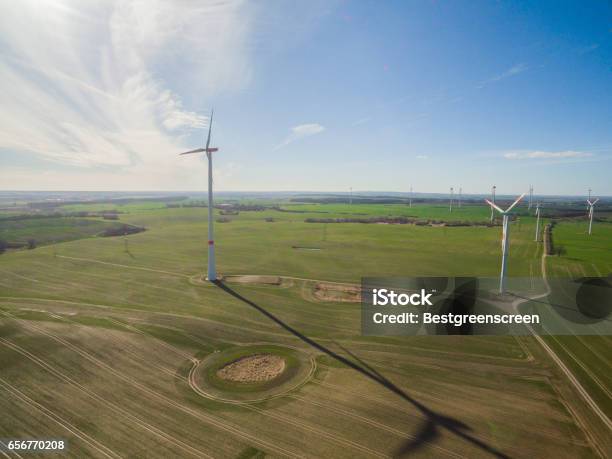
(595, 201)
(209, 128)
(197, 150)
(494, 206)
(515, 202)
(589, 203)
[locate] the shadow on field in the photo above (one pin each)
(428, 432)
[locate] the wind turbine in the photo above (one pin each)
(410, 202)
(450, 208)
(530, 196)
(505, 243)
(537, 235)
(591, 212)
(493, 195)
(589, 198)
(212, 271)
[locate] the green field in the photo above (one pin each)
(52, 229)
(98, 343)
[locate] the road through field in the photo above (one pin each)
(570, 376)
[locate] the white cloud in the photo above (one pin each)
(422, 157)
(86, 84)
(300, 132)
(569, 154)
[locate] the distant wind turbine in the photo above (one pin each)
(589, 198)
(410, 202)
(450, 208)
(537, 235)
(591, 212)
(212, 271)
(505, 242)
(530, 197)
(493, 199)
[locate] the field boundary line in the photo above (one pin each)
(140, 268)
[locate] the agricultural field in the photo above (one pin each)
(115, 345)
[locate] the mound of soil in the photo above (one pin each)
(253, 279)
(337, 292)
(253, 368)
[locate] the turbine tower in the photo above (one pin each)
(450, 208)
(493, 196)
(591, 212)
(212, 271)
(410, 201)
(530, 196)
(505, 243)
(537, 235)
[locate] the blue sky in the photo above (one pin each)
(317, 95)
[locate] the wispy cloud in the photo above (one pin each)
(361, 121)
(299, 132)
(422, 157)
(546, 155)
(512, 71)
(89, 89)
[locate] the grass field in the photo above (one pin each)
(98, 343)
(53, 229)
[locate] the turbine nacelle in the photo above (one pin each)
(591, 204)
(505, 212)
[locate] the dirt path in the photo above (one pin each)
(570, 376)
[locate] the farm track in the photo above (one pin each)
(570, 376)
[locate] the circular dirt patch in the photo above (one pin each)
(253, 368)
(251, 372)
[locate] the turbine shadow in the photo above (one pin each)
(434, 421)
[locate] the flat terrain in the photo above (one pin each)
(99, 341)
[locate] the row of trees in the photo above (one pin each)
(5, 245)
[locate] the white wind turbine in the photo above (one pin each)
(537, 235)
(505, 243)
(450, 208)
(493, 196)
(530, 196)
(212, 271)
(591, 212)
